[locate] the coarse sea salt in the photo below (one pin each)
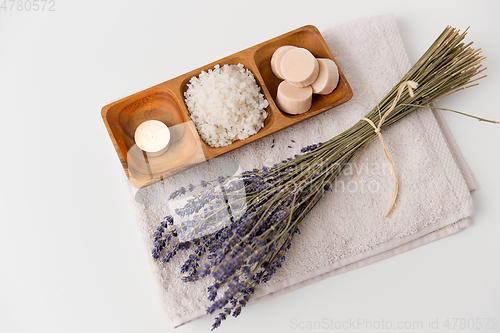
(226, 104)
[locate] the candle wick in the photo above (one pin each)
(149, 134)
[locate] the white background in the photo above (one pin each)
(70, 255)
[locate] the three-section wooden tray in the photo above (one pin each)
(165, 102)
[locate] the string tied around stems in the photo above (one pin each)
(407, 84)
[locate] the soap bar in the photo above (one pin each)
(277, 57)
(299, 67)
(293, 100)
(328, 77)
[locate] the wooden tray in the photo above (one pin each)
(165, 102)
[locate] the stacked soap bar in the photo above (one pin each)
(303, 75)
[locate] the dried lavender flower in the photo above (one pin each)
(240, 228)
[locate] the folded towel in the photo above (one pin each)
(346, 229)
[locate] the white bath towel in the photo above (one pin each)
(346, 229)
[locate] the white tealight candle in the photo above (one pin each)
(153, 137)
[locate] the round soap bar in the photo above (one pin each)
(293, 100)
(328, 77)
(276, 59)
(299, 67)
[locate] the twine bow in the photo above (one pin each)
(410, 85)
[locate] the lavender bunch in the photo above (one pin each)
(239, 228)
